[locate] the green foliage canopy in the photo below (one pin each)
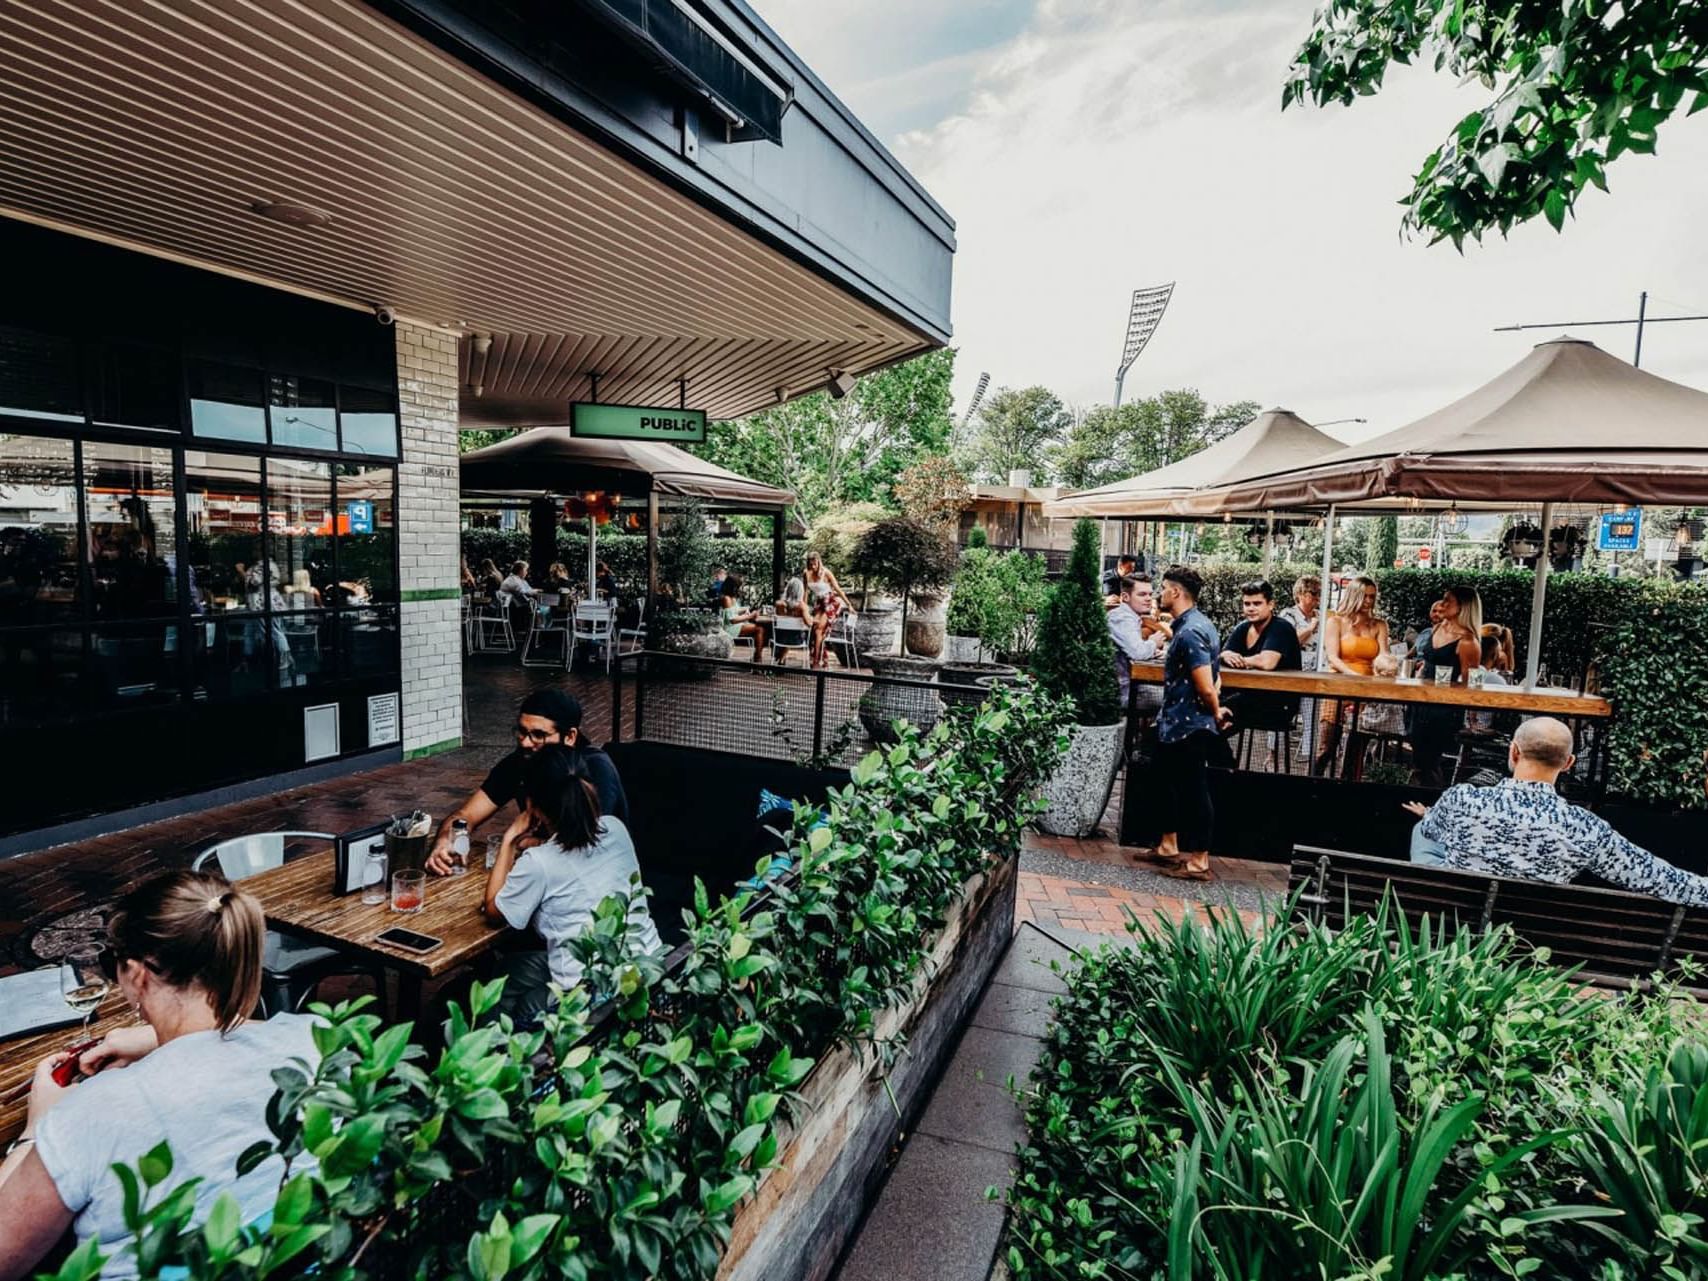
(1106, 444)
(1015, 429)
(1576, 84)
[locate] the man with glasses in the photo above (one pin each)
(547, 716)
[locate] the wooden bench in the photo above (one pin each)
(1616, 937)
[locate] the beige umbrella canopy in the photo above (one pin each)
(1275, 440)
(1568, 423)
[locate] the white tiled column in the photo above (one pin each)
(427, 531)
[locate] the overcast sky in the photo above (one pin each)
(1088, 148)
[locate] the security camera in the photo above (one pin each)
(384, 314)
(840, 384)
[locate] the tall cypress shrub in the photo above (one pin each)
(1075, 659)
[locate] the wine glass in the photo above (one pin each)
(83, 981)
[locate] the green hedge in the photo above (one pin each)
(626, 555)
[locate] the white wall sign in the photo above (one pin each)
(320, 732)
(382, 720)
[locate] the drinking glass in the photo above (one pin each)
(83, 982)
(373, 876)
(408, 891)
(493, 845)
(1443, 675)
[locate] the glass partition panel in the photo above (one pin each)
(370, 641)
(232, 656)
(131, 515)
(40, 671)
(369, 421)
(299, 533)
(306, 645)
(39, 582)
(222, 520)
(304, 412)
(367, 535)
(225, 402)
(131, 664)
(139, 386)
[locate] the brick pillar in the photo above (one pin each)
(427, 531)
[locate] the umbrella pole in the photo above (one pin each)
(651, 555)
(1323, 596)
(1268, 542)
(592, 558)
(1538, 597)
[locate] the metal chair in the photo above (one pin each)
(545, 620)
(592, 627)
(492, 630)
(291, 967)
(635, 634)
(790, 634)
(841, 634)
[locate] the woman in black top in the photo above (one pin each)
(1453, 644)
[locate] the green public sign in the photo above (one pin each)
(638, 422)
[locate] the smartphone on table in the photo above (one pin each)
(397, 936)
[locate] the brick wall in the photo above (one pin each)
(427, 540)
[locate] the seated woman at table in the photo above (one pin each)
(1355, 639)
(1455, 645)
(1497, 665)
(738, 620)
(605, 582)
(560, 859)
(558, 579)
(793, 603)
(187, 949)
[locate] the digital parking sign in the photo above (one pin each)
(638, 422)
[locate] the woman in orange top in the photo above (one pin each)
(1355, 643)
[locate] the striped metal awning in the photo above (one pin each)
(161, 126)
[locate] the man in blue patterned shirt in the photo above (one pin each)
(1189, 731)
(1523, 827)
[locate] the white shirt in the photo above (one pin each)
(555, 890)
(1129, 637)
(206, 1093)
(515, 586)
(1307, 652)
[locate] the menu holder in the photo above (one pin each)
(352, 852)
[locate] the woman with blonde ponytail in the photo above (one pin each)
(195, 1073)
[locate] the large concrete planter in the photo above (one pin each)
(884, 701)
(962, 649)
(927, 626)
(1077, 793)
(707, 639)
(877, 628)
(833, 1161)
(968, 684)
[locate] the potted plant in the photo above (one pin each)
(1522, 542)
(1075, 660)
(903, 555)
(975, 584)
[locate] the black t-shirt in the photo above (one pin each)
(504, 783)
(1250, 707)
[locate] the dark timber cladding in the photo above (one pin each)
(829, 194)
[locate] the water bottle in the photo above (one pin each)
(374, 876)
(459, 847)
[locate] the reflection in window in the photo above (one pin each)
(40, 376)
(232, 657)
(138, 387)
(131, 513)
(225, 402)
(38, 530)
(133, 663)
(367, 535)
(369, 420)
(299, 536)
(222, 518)
(370, 641)
(306, 649)
(305, 412)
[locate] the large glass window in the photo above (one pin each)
(40, 671)
(139, 386)
(131, 516)
(299, 533)
(40, 376)
(367, 535)
(225, 402)
(232, 657)
(306, 645)
(222, 519)
(369, 421)
(370, 641)
(304, 412)
(133, 663)
(39, 580)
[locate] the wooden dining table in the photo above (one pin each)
(19, 1056)
(298, 897)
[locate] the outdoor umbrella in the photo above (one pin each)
(1275, 440)
(1568, 423)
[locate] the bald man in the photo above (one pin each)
(1522, 827)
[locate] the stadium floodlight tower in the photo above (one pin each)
(972, 408)
(1146, 314)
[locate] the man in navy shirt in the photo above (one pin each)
(1264, 642)
(1189, 730)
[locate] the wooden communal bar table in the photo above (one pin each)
(18, 1058)
(1333, 685)
(298, 897)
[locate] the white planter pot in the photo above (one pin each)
(1077, 793)
(962, 649)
